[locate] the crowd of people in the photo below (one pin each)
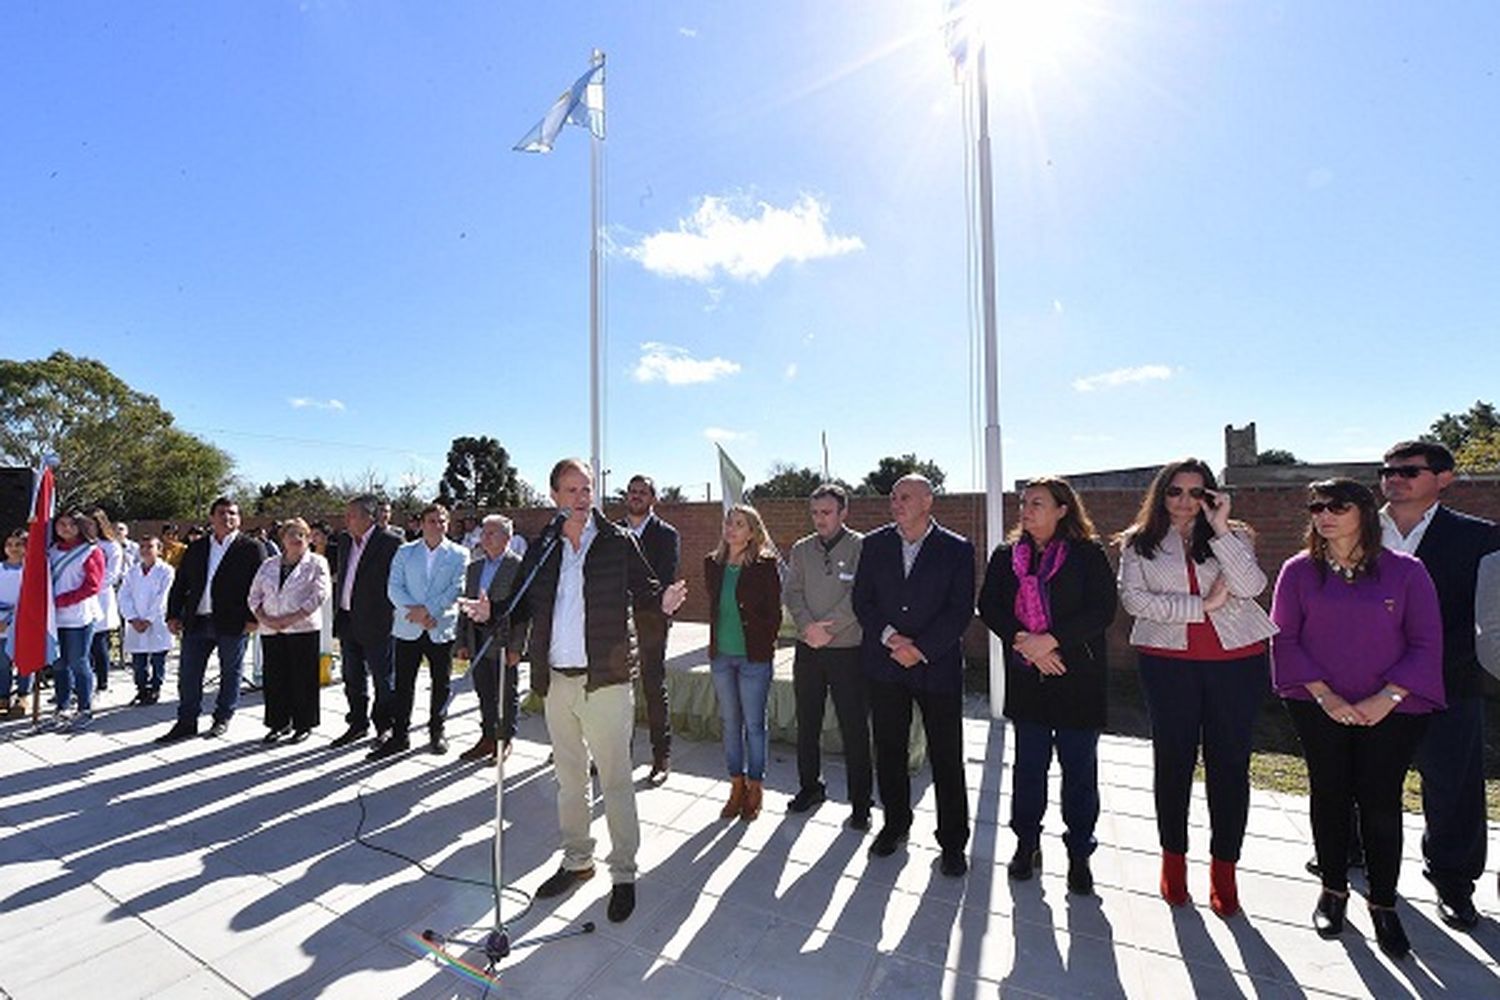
(1370, 642)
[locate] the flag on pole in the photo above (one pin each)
(581, 104)
(32, 638)
(731, 479)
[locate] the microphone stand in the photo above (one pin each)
(497, 944)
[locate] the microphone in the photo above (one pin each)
(553, 527)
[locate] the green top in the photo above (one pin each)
(731, 628)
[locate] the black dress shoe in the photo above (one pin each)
(177, 732)
(216, 730)
(389, 748)
(437, 744)
(299, 735)
(621, 902)
(483, 750)
(563, 880)
(1328, 918)
(954, 864)
(661, 766)
(806, 798)
(859, 819)
(1080, 876)
(887, 841)
(1459, 914)
(351, 735)
(1024, 863)
(274, 735)
(1389, 933)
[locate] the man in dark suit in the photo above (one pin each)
(362, 618)
(487, 583)
(207, 606)
(1450, 757)
(663, 550)
(914, 597)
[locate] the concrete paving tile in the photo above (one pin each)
(388, 971)
(701, 932)
(290, 956)
(47, 951)
(201, 985)
(139, 967)
(896, 977)
(634, 974)
(52, 900)
(227, 922)
(555, 970)
(795, 960)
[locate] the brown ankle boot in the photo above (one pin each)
(736, 801)
(751, 807)
(1224, 894)
(1174, 878)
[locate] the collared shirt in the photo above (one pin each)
(432, 551)
(216, 550)
(1391, 537)
(568, 649)
(351, 566)
(488, 569)
(910, 550)
(638, 529)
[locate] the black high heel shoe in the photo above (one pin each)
(1389, 933)
(1328, 918)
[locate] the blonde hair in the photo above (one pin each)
(760, 545)
(294, 524)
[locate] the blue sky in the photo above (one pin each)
(302, 228)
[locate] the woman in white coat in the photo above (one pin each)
(287, 598)
(101, 530)
(143, 606)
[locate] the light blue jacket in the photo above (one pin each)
(410, 584)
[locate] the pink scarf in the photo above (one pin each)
(1032, 601)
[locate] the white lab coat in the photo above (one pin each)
(144, 595)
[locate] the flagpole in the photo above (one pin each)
(596, 422)
(994, 482)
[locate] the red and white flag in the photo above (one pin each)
(34, 632)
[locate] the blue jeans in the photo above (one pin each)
(7, 672)
(198, 640)
(158, 662)
(71, 674)
(743, 689)
(1078, 753)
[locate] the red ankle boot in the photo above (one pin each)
(1224, 895)
(1174, 878)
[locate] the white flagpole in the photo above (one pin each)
(596, 426)
(994, 482)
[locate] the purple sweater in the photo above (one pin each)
(1356, 638)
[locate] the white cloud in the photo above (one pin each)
(306, 403)
(715, 240)
(1057, 306)
(721, 435)
(1122, 376)
(688, 32)
(791, 371)
(675, 366)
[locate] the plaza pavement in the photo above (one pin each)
(219, 868)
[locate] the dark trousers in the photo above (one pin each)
(1212, 704)
(1078, 753)
(1357, 764)
(150, 670)
(1451, 761)
(198, 640)
(497, 716)
(942, 721)
(409, 656)
(374, 659)
(654, 692)
(816, 674)
(290, 677)
(99, 657)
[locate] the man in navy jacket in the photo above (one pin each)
(914, 597)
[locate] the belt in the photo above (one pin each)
(571, 671)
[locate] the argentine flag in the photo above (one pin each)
(581, 104)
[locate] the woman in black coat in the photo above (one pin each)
(1049, 593)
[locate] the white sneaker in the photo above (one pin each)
(81, 721)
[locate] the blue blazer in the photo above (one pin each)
(409, 584)
(933, 606)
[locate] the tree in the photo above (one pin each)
(479, 474)
(787, 482)
(309, 498)
(1277, 456)
(117, 447)
(883, 478)
(671, 494)
(1456, 431)
(1480, 453)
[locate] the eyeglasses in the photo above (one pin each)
(1332, 506)
(1196, 492)
(1404, 471)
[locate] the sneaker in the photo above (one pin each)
(806, 799)
(82, 721)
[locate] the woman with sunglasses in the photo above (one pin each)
(1188, 576)
(1358, 662)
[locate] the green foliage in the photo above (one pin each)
(479, 474)
(787, 482)
(310, 498)
(670, 494)
(1277, 456)
(1457, 430)
(891, 468)
(1480, 453)
(117, 447)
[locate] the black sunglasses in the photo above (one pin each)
(1332, 506)
(1196, 492)
(1404, 471)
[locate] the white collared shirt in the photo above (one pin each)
(1391, 537)
(910, 550)
(351, 566)
(638, 529)
(432, 551)
(216, 550)
(568, 649)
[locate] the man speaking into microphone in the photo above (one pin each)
(583, 663)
